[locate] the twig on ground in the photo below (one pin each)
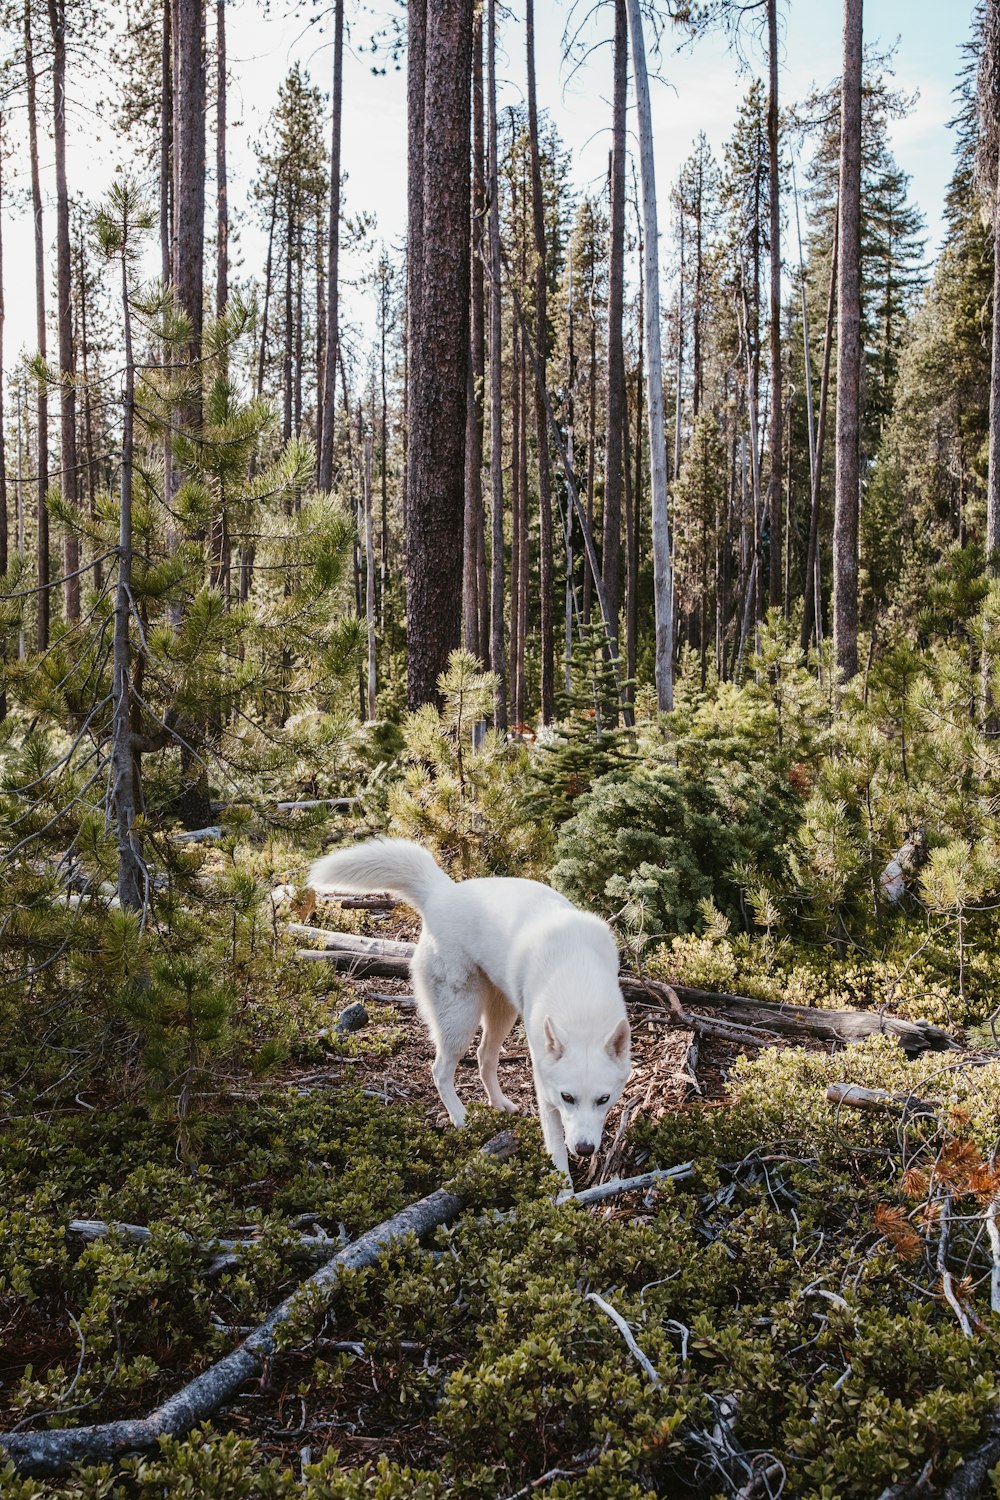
(641, 1359)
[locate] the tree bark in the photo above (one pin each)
(615, 414)
(439, 357)
(126, 794)
(663, 590)
(474, 613)
(329, 401)
(166, 145)
(189, 172)
(777, 406)
(69, 476)
(545, 558)
(811, 613)
(42, 411)
(4, 525)
(848, 438)
(497, 663)
(221, 177)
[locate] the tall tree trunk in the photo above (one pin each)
(545, 559)
(166, 145)
(189, 173)
(126, 797)
(616, 416)
(329, 397)
(497, 664)
(4, 543)
(988, 185)
(848, 439)
(523, 545)
(188, 161)
(515, 528)
(287, 362)
(221, 178)
(42, 417)
(69, 484)
(777, 407)
(474, 607)
(663, 589)
(439, 358)
(811, 606)
(369, 578)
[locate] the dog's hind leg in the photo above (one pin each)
(451, 1016)
(498, 1018)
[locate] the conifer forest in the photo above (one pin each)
(624, 515)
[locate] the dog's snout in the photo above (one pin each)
(585, 1148)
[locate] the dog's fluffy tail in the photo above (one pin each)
(395, 865)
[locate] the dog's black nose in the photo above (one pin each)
(584, 1148)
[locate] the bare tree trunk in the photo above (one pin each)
(4, 543)
(221, 178)
(616, 416)
(439, 357)
(845, 524)
(329, 397)
(473, 606)
(42, 418)
(369, 577)
(497, 664)
(288, 374)
(811, 609)
(126, 797)
(777, 408)
(523, 544)
(69, 476)
(166, 146)
(545, 559)
(663, 591)
(515, 528)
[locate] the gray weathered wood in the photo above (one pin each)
(50, 1453)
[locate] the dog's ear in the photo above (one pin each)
(553, 1045)
(618, 1042)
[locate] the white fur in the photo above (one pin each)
(494, 949)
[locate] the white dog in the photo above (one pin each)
(492, 950)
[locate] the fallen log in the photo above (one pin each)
(54, 1452)
(798, 1020)
(351, 942)
(339, 804)
(758, 1016)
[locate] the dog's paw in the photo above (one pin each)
(507, 1105)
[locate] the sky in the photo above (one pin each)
(698, 88)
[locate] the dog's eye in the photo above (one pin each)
(603, 1099)
(568, 1098)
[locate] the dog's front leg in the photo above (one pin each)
(555, 1140)
(552, 1130)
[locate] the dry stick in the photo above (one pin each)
(947, 1280)
(139, 1234)
(603, 1190)
(643, 1360)
(993, 1234)
(352, 942)
(51, 1453)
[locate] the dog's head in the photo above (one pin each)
(583, 1079)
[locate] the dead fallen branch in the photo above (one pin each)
(138, 1234)
(618, 1185)
(878, 1101)
(970, 1478)
(748, 1022)
(51, 1453)
(351, 942)
(797, 1020)
(641, 1359)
